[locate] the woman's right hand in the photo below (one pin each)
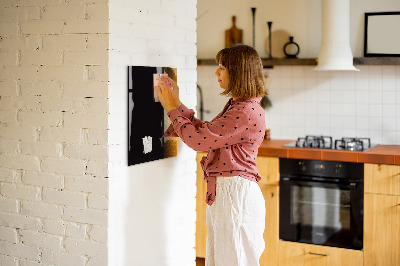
(175, 91)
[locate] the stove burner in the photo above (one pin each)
(324, 142)
(353, 144)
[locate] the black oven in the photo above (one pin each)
(321, 202)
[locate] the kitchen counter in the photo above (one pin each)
(380, 154)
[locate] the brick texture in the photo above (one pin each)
(53, 125)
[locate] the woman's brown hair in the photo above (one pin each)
(245, 69)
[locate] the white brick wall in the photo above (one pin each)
(152, 205)
(53, 132)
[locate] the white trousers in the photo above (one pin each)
(235, 223)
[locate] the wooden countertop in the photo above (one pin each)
(380, 154)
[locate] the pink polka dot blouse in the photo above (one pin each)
(232, 139)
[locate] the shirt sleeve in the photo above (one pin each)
(230, 128)
(187, 113)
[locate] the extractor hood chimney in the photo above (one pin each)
(335, 53)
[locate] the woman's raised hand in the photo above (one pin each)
(165, 96)
(175, 91)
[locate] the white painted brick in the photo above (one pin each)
(19, 13)
(8, 260)
(86, 89)
(23, 103)
(40, 118)
(62, 73)
(69, 42)
(89, 216)
(9, 58)
(41, 27)
(7, 175)
(35, 239)
(8, 117)
(48, 58)
(54, 227)
(62, 258)
(8, 29)
(39, 2)
(18, 191)
(184, 48)
(9, 146)
(85, 26)
(60, 134)
(95, 105)
(18, 132)
(28, 73)
(68, 12)
(39, 88)
(8, 234)
(8, 88)
(191, 61)
(98, 42)
(19, 221)
(186, 23)
(76, 230)
(95, 136)
(19, 251)
(41, 210)
(98, 233)
(97, 73)
(20, 161)
(23, 43)
(63, 166)
(97, 169)
(85, 247)
(97, 11)
(43, 179)
(97, 202)
(88, 152)
(90, 57)
(85, 121)
(62, 104)
(64, 197)
(26, 262)
(98, 260)
(41, 148)
(8, 205)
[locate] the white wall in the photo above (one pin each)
(152, 205)
(301, 19)
(53, 133)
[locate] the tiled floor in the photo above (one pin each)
(200, 262)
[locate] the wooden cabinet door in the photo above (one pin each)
(381, 230)
(299, 254)
(382, 179)
(268, 168)
(201, 205)
(271, 232)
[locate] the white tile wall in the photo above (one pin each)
(337, 103)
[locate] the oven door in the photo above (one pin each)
(321, 212)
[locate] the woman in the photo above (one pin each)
(236, 212)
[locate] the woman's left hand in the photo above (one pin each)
(165, 95)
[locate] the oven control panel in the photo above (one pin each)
(317, 168)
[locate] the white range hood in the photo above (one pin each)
(335, 52)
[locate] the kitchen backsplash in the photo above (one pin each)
(363, 103)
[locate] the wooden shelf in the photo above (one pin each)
(269, 63)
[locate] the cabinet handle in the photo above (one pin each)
(318, 254)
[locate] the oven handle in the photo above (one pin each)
(310, 182)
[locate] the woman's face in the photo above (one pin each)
(223, 76)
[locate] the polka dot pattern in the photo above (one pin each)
(232, 139)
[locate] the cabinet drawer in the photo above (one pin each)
(299, 254)
(268, 167)
(382, 179)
